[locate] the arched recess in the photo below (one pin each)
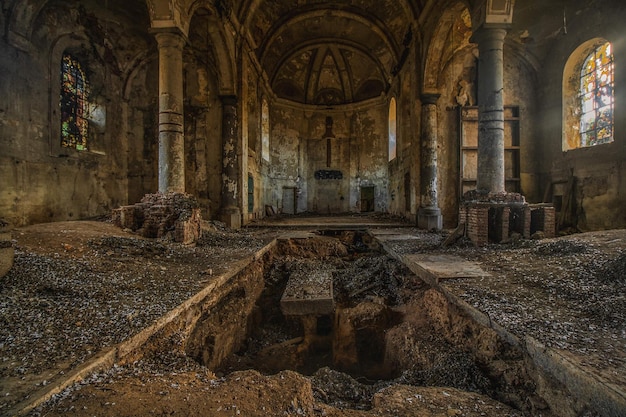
(20, 24)
(449, 64)
(80, 49)
(141, 118)
(451, 34)
(178, 14)
(208, 73)
(223, 46)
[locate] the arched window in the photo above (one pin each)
(596, 97)
(74, 103)
(393, 146)
(588, 96)
(265, 131)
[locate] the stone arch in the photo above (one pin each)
(223, 46)
(20, 24)
(437, 53)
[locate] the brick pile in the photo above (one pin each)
(174, 216)
(494, 218)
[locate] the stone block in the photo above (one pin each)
(308, 293)
(429, 219)
(232, 220)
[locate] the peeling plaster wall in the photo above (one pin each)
(519, 90)
(203, 150)
(358, 151)
(142, 132)
(520, 87)
(286, 125)
(41, 181)
(599, 172)
(405, 168)
(252, 165)
(203, 122)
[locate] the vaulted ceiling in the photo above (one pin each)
(329, 52)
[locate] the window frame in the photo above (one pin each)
(591, 97)
(392, 130)
(74, 98)
(572, 96)
(99, 135)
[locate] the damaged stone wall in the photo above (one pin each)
(253, 167)
(203, 119)
(328, 179)
(404, 170)
(41, 181)
(457, 84)
(286, 125)
(587, 185)
(142, 131)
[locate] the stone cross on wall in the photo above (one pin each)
(328, 135)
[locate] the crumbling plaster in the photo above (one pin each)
(41, 181)
(598, 172)
(299, 151)
(244, 41)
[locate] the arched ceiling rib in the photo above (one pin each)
(328, 52)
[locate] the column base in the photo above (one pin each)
(429, 218)
(495, 217)
(231, 216)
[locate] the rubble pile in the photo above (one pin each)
(172, 215)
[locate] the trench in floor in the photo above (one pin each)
(383, 326)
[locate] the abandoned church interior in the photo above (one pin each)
(345, 208)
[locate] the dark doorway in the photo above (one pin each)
(250, 194)
(367, 198)
(289, 200)
(407, 191)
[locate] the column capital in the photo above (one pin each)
(429, 97)
(169, 37)
(489, 33)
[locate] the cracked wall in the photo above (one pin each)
(41, 180)
(327, 173)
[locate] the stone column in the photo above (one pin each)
(429, 215)
(230, 212)
(490, 110)
(171, 121)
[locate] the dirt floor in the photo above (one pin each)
(80, 288)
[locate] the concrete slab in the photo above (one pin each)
(298, 234)
(308, 293)
(444, 266)
(388, 231)
(389, 237)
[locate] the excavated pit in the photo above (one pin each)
(382, 327)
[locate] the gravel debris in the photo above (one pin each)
(67, 299)
(568, 293)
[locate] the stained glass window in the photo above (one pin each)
(74, 104)
(393, 150)
(596, 97)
